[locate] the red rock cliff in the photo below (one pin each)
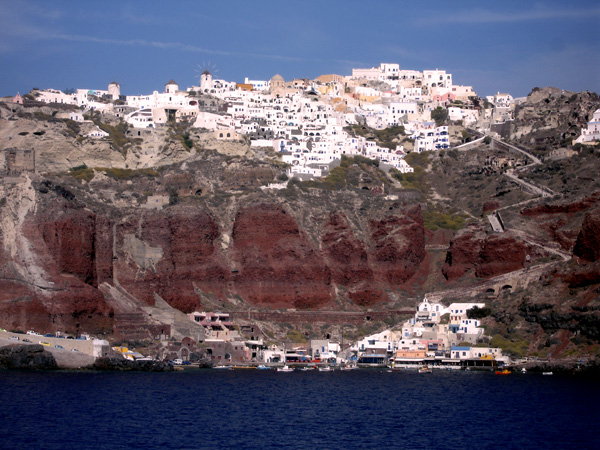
(587, 245)
(276, 263)
(472, 250)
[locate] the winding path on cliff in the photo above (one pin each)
(540, 190)
(502, 142)
(542, 244)
(527, 185)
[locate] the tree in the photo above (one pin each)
(440, 115)
(478, 313)
(173, 196)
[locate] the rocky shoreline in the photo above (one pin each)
(36, 357)
(561, 366)
(26, 357)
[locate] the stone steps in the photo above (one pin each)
(132, 326)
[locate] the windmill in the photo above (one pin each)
(205, 73)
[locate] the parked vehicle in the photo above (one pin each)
(59, 346)
(33, 333)
(47, 344)
(74, 350)
(13, 338)
(26, 340)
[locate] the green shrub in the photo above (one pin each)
(384, 138)
(82, 173)
(440, 115)
(117, 134)
(434, 220)
(296, 336)
(512, 347)
(478, 313)
(128, 174)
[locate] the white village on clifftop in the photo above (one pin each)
(305, 119)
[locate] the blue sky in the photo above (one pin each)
(508, 46)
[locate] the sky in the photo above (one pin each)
(508, 46)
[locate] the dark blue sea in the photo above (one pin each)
(251, 409)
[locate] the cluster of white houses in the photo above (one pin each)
(303, 119)
(438, 335)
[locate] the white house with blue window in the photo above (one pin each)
(470, 326)
(429, 311)
(324, 350)
(460, 352)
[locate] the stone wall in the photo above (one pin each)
(322, 317)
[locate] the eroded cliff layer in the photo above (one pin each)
(260, 252)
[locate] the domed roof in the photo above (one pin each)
(277, 78)
(170, 82)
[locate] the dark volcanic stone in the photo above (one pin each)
(32, 357)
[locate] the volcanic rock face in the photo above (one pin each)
(587, 245)
(31, 357)
(483, 255)
(551, 115)
(48, 278)
(345, 253)
(275, 262)
(399, 246)
(67, 257)
(348, 259)
(169, 253)
(71, 238)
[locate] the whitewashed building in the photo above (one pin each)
(592, 132)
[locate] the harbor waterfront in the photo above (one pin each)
(245, 409)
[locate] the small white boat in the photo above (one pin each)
(285, 368)
(424, 369)
(261, 367)
(325, 369)
(546, 373)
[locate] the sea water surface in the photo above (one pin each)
(253, 409)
